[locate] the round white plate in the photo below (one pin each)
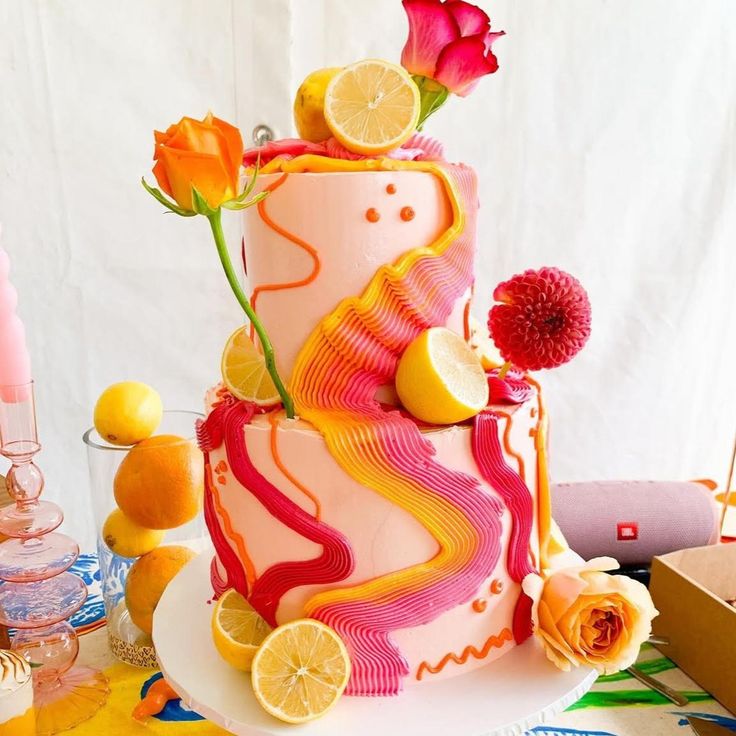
(518, 692)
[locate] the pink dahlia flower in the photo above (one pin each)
(449, 42)
(543, 319)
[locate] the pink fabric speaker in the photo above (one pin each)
(635, 520)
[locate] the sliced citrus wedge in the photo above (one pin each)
(372, 106)
(244, 371)
(440, 379)
(483, 346)
(300, 671)
(237, 630)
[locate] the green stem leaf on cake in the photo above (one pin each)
(215, 221)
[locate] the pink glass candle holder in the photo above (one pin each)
(37, 594)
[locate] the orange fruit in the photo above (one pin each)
(372, 106)
(147, 581)
(160, 483)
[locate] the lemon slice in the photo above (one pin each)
(244, 371)
(237, 630)
(483, 346)
(300, 671)
(440, 379)
(372, 106)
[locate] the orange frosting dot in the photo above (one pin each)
(496, 587)
(407, 213)
(391, 188)
(372, 215)
(479, 605)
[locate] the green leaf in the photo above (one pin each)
(432, 96)
(159, 196)
(252, 183)
(200, 204)
(234, 204)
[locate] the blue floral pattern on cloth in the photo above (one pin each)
(92, 613)
(175, 710)
(115, 571)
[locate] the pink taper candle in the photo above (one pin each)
(15, 363)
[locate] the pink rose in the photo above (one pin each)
(585, 617)
(449, 42)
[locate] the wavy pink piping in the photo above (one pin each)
(508, 484)
(234, 571)
(509, 390)
(226, 422)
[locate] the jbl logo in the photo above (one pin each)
(627, 531)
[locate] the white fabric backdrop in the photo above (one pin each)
(605, 145)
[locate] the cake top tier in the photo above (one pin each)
(326, 227)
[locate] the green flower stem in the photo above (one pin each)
(432, 96)
(216, 225)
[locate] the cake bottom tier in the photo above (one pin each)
(300, 536)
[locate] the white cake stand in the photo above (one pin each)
(522, 691)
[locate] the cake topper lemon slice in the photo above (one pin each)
(244, 371)
(237, 630)
(372, 106)
(300, 671)
(440, 379)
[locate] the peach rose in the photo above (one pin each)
(203, 154)
(585, 617)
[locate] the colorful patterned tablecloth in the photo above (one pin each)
(616, 706)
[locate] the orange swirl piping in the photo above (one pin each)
(273, 420)
(494, 641)
(507, 444)
(309, 249)
(544, 499)
(237, 539)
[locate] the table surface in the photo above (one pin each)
(616, 706)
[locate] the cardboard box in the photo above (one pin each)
(690, 589)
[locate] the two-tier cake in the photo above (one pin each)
(376, 480)
(410, 540)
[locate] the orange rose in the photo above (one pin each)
(585, 617)
(206, 155)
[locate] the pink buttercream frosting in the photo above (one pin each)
(512, 389)
(418, 148)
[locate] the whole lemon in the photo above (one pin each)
(147, 581)
(160, 483)
(128, 539)
(127, 412)
(309, 105)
